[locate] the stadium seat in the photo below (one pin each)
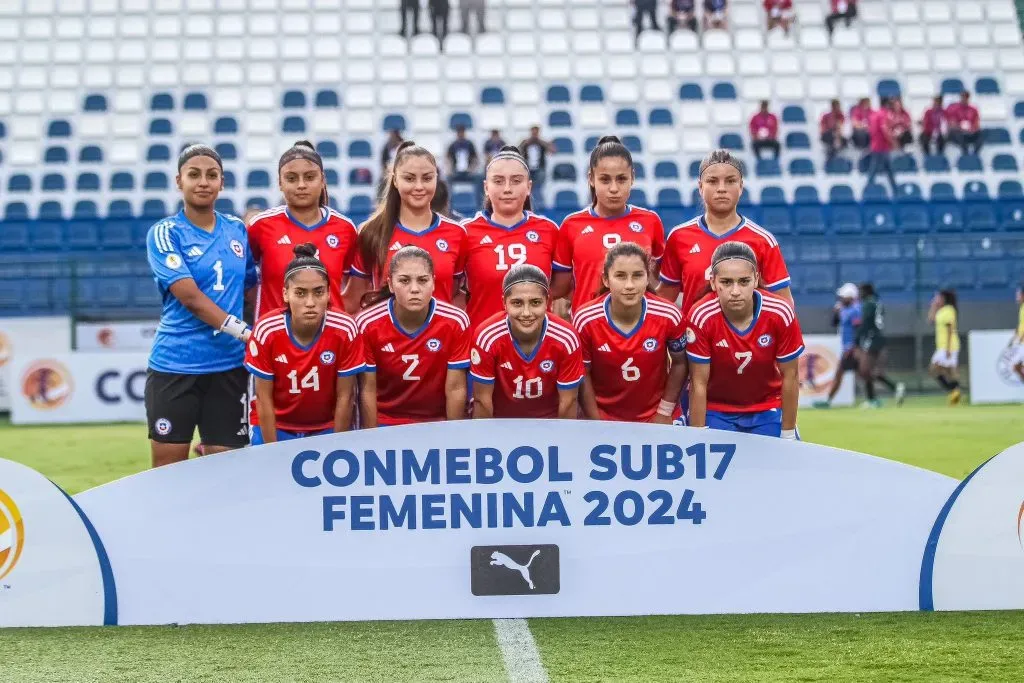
(84, 209)
(229, 180)
(723, 91)
(560, 119)
(801, 167)
(798, 140)
(565, 172)
(838, 166)
(225, 125)
(691, 91)
(969, 163)
(293, 99)
(947, 217)
(122, 181)
(879, 218)
(936, 163)
(1011, 216)
(257, 179)
(731, 141)
(793, 113)
(1010, 189)
(637, 197)
(393, 122)
(986, 86)
(806, 194)
(460, 119)
(87, 182)
(491, 95)
(155, 180)
(154, 208)
(845, 219)
(160, 127)
(95, 103)
(888, 88)
(564, 145)
(119, 208)
(326, 99)
(195, 101)
(904, 163)
(161, 102)
(53, 182)
(996, 136)
(666, 170)
(627, 118)
(158, 153)
(767, 168)
(913, 218)
(90, 154)
(952, 86)
(942, 192)
(981, 217)
(558, 94)
(58, 129)
(293, 124)
(591, 93)
(660, 117)
(1004, 162)
(876, 193)
(359, 149)
(56, 155)
(567, 200)
(639, 171)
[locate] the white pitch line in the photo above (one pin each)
(519, 650)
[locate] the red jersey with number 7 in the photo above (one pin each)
(305, 377)
(526, 385)
(411, 368)
(745, 375)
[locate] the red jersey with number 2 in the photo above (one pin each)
(526, 385)
(585, 238)
(304, 377)
(745, 375)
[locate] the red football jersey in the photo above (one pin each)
(411, 368)
(628, 370)
(688, 251)
(305, 378)
(585, 238)
(274, 234)
(494, 249)
(445, 240)
(745, 376)
(527, 386)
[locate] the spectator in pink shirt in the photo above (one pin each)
(860, 117)
(933, 128)
(831, 127)
(841, 10)
(780, 13)
(901, 124)
(764, 131)
(882, 144)
(964, 124)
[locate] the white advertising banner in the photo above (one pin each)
(29, 335)
(78, 387)
(993, 379)
(818, 367)
(116, 336)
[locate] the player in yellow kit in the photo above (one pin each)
(943, 313)
(1018, 339)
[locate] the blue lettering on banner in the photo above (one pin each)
(132, 386)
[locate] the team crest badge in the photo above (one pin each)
(332, 241)
(237, 247)
(173, 261)
(327, 357)
(162, 426)
(442, 245)
(253, 349)
(691, 336)
(533, 236)
(764, 340)
(434, 344)
(474, 356)
(547, 366)
(650, 344)
(636, 227)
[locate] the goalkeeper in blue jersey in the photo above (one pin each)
(203, 267)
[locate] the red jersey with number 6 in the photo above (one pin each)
(628, 370)
(304, 377)
(493, 249)
(585, 238)
(745, 375)
(526, 385)
(411, 368)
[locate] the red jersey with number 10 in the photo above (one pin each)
(745, 375)
(493, 249)
(628, 370)
(304, 377)
(585, 238)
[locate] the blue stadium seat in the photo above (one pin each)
(660, 117)
(360, 204)
(14, 235)
(20, 182)
(293, 124)
(691, 91)
(12, 296)
(936, 163)
(731, 141)
(996, 136)
(53, 182)
(1010, 189)
(229, 180)
(393, 122)
(959, 274)
(464, 203)
(639, 171)
(95, 103)
(767, 168)
(156, 180)
(115, 233)
(841, 194)
(909, 193)
(160, 127)
(1004, 162)
(778, 219)
(806, 194)
(913, 218)
(844, 219)
(85, 209)
(798, 140)
(560, 119)
(460, 118)
(83, 235)
(879, 218)
(87, 182)
(981, 217)
(293, 99)
(888, 88)
(154, 208)
(772, 196)
(942, 192)
(1018, 110)
(119, 208)
(564, 171)
(260, 204)
(808, 220)
(947, 217)
(633, 144)
(227, 151)
(359, 149)
(51, 211)
(158, 153)
(875, 193)
(90, 154)
(558, 94)
(904, 163)
(793, 113)
(590, 143)
(564, 145)
(986, 86)
(864, 164)
(976, 191)
(666, 170)
(3, 130)
(627, 117)
(815, 279)
(257, 178)
(16, 211)
(327, 149)
(669, 197)
(492, 95)
(889, 277)
(1011, 216)
(723, 91)
(56, 155)
(838, 166)
(952, 86)
(58, 129)
(326, 99)
(47, 235)
(591, 93)
(161, 101)
(969, 163)
(637, 197)
(567, 200)
(195, 101)
(694, 171)
(225, 205)
(225, 125)
(1021, 137)
(122, 180)
(995, 275)
(801, 167)
(332, 179)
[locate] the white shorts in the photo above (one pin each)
(943, 361)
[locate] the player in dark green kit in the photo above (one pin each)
(871, 348)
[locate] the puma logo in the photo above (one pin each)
(503, 560)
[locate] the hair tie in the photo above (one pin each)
(501, 156)
(291, 271)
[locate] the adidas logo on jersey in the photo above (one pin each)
(506, 365)
(282, 358)
(396, 246)
(695, 249)
(486, 240)
(604, 347)
(388, 348)
(285, 240)
(723, 344)
(195, 252)
(587, 230)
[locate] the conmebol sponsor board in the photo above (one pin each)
(78, 387)
(818, 367)
(993, 379)
(29, 335)
(115, 336)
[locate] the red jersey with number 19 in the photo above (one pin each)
(526, 385)
(412, 368)
(628, 370)
(494, 249)
(585, 238)
(304, 377)
(745, 375)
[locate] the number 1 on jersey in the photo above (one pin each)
(310, 381)
(531, 388)
(218, 268)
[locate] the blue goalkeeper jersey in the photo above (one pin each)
(222, 266)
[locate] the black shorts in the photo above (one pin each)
(849, 360)
(873, 346)
(216, 403)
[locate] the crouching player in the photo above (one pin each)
(304, 358)
(743, 344)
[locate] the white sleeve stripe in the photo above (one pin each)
(765, 234)
(263, 323)
(162, 239)
(583, 320)
(262, 335)
(487, 339)
(568, 339)
(775, 284)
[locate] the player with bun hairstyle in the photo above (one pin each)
(416, 348)
(525, 362)
(586, 236)
(204, 270)
(402, 219)
(304, 357)
(633, 344)
(505, 234)
(304, 217)
(743, 344)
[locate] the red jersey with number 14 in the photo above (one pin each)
(745, 375)
(494, 249)
(628, 370)
(304, 377)
(585, 238)
(412, 368)
(526, 385)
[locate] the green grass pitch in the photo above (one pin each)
(875, 647)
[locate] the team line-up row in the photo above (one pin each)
(412, 302)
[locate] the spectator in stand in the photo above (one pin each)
(860, 117)
(387, 155)
(682, 13)
(832, 123)
(964, 124)
(407, 9)
(477, 7)
(933, 128)
(780, 13)
(901, 124)
(764, 131)
(493, 145)
(535, 150)
(462, 158)
(642, 7)
(442, 203)
(439, 10)
(882, 144)
(715, 15)
(841, 9)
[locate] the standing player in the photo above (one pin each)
(404, 219)
(416, 349)
(304, 217)
(688, 249)
(304, 358)
(504, 235)
(587, 235)
(872, 353)
(628, 337)
(203, 269)
(943, 366)
(525, 362)
(846, 317)
(743, 345)
(1017, 340)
